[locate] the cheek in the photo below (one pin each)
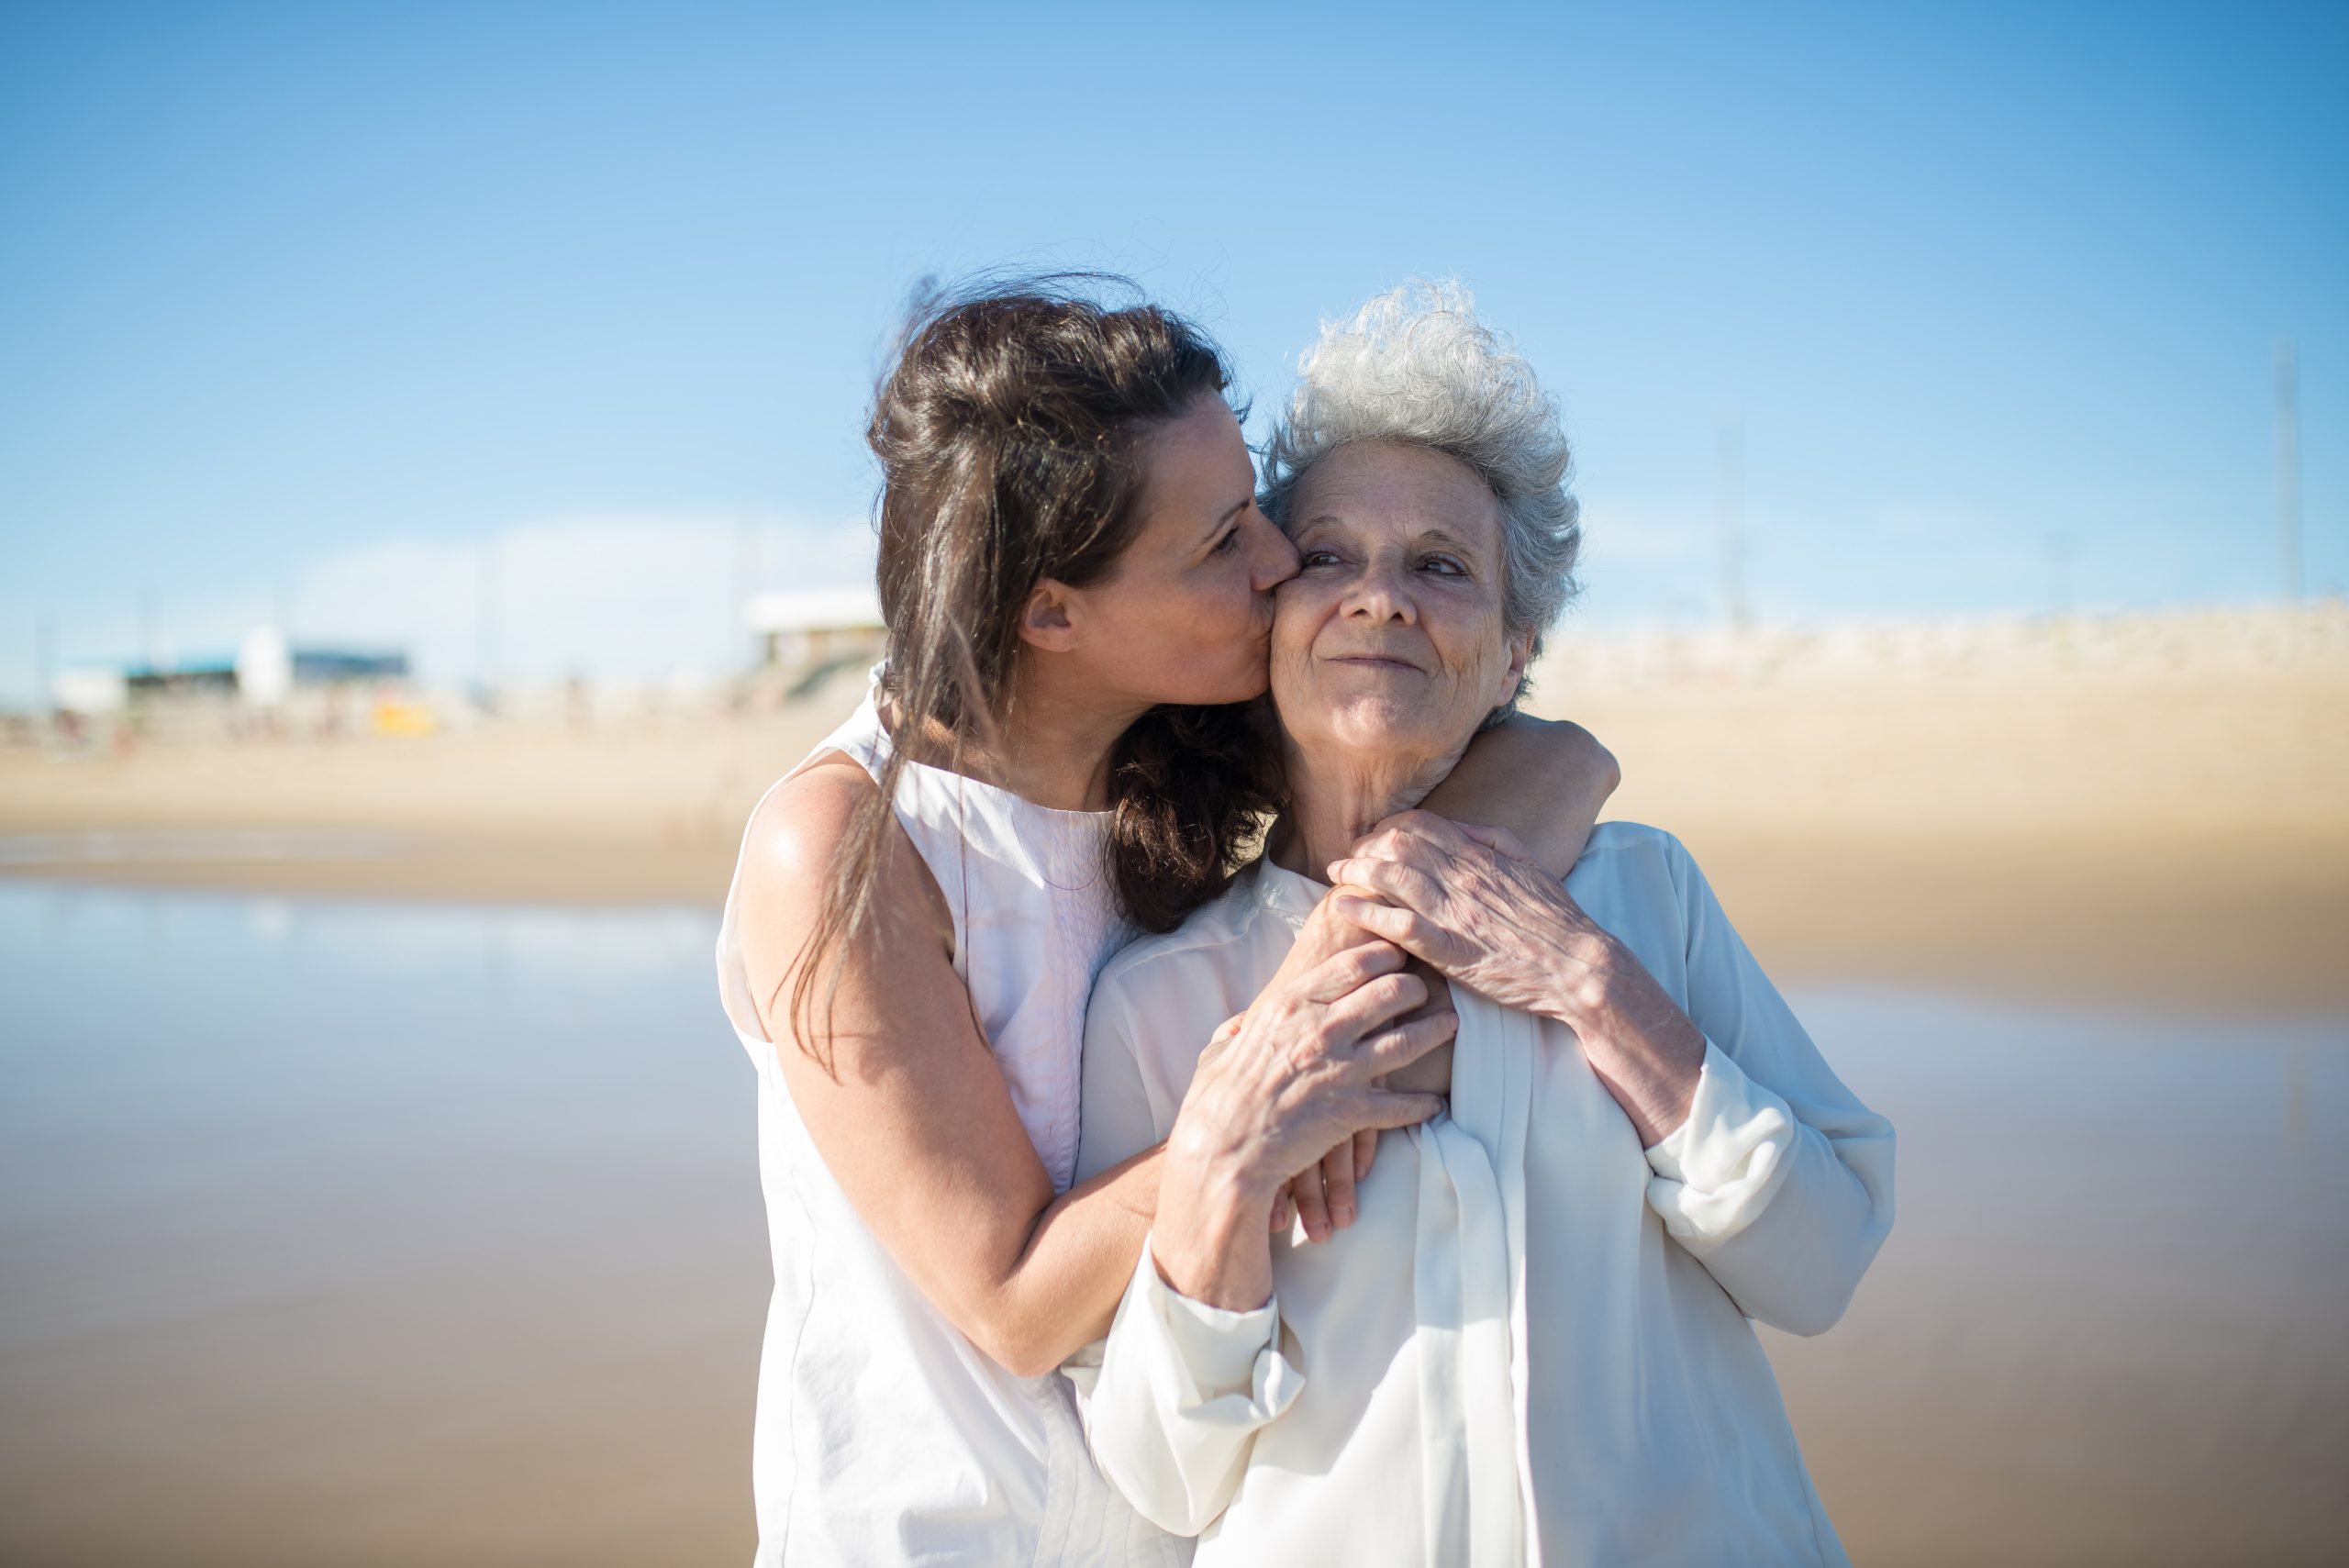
(1298, 615)
(1218, 617)
(1470, 639)
(1214, 604)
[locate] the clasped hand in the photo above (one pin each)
(1473, 903)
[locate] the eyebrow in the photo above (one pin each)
(1432, 536)
(1438, 536)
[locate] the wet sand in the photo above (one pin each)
(362, 1232)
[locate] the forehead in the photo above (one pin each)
(1391, 488)
(1199, 461)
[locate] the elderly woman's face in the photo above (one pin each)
(1390, 636)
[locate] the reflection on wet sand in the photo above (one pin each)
(357, 1232)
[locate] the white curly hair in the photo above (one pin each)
(1415, 367)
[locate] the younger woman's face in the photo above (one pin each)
(1186, 613)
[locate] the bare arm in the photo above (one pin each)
(1543, 780)
(918, 1125)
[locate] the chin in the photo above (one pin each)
(1381, 724)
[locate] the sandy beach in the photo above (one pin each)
(428, 1228)
(2154, 809)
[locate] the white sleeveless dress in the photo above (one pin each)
(883, 1435)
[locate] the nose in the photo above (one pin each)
(1275, 561)
(1381, 593)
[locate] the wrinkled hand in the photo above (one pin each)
(1299, 1078)
(1472, 902)
(1321, 1196)
(1302, 1072)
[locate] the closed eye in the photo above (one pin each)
(1228, 544)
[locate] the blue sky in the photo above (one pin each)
(305, 308)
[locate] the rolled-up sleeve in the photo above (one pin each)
(1172, 1399)
(1780, 1181)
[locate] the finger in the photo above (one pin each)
(1380, 1001)
(1366, 1151)
(1391, 879)
(1500, 840)
(1415, 850)
(1329, 934)
(1338, 1185)
(1405, 1043)
(1387, 1108)
(1283, 1212)
(1306, 1187)
(1440, 831)
(1407, 929)
(1349, 970)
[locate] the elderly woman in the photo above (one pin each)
(1533, 1343)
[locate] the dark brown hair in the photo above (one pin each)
(1009, 430)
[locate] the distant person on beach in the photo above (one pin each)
(1533, 1344)
(1077, 586)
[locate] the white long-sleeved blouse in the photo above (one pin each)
(1533, 1344)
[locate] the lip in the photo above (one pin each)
(1376, 661)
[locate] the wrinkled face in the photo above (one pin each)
(1185, 615)
(1389, 639)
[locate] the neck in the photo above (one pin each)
(1337, 797)
(1052, 747)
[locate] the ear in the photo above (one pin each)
(1045, 621)
(1521, 654)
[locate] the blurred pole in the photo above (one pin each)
(485, 649)
(746, 577)
(2288, 469)
(2059, 573)
(44, 663)
(1729, 506)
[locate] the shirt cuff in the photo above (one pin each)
(1716, 1171)
(1219, 1366)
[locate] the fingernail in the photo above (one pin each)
(1341, 1216)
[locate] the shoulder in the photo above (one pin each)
(1209, 930)
(1634, 860)
(799, 827)
(795, 840)
(1636, 840)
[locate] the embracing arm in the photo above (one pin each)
(916, 1121)
(1543, 780)
(1192, 1367)
(1171, 1399)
